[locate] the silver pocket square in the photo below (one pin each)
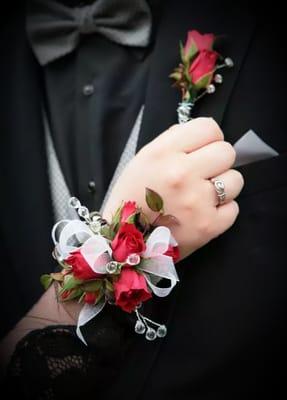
(250, 148)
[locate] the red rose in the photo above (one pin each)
(66, 294)
(128, 241)
(198, 42)
(173, 252)
(128, 209)
(203, 67)
(80, 268)
(130, 290)
(90, 298)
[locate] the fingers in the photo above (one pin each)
(226, 216)
(233, 184)
(194, 134)
(212, 159)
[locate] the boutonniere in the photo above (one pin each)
(197, 73)
(120, 263)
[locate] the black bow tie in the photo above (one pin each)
(54, 29)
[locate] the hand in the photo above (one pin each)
(179, 165)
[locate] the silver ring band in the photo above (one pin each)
(220, 190)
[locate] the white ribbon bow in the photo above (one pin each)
(155, 265)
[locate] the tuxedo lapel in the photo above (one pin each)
(160, 112)
(226, 20)
(27, 216)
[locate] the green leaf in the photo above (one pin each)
(186, 74)
(73, 295)
(143, 222)
(64, 265)
(99, 297)
(81, 298)
(181, 50)
(109, 285)
(131, 219)
(70, 282)
(166, 220)
(117, 216)
(204, 81)
(57, 276)
(193, 50)
(46, 280)
(175, 75)
(187, 96)
(92, 286)
(153, 200)
(107, 232)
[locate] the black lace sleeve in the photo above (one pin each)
(52, 363)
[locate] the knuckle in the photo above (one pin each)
(214, 128)
(236, 208)
(239, 177)
(229, 151)
(175, 176)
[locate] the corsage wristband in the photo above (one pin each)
(119, 263)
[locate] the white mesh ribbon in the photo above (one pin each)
(69, 237)
(155, 264)
(87, 313)
(97, 253)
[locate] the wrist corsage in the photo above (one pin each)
(120, 263)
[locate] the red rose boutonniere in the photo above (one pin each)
(196, 75)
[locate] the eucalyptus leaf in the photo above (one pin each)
(154, 200)
(46, 280)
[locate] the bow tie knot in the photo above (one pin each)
(86, 21)
(54, 29)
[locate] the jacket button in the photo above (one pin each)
(92, 186)
(88, 90)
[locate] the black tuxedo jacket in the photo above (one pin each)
(227, 317)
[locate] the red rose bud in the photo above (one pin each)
(66, 294)
(173, 251)
(197, 42)
(90, 298)
(130, 290)
(80, 268)
(202, 68)
(128, 209)
(127, 241)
